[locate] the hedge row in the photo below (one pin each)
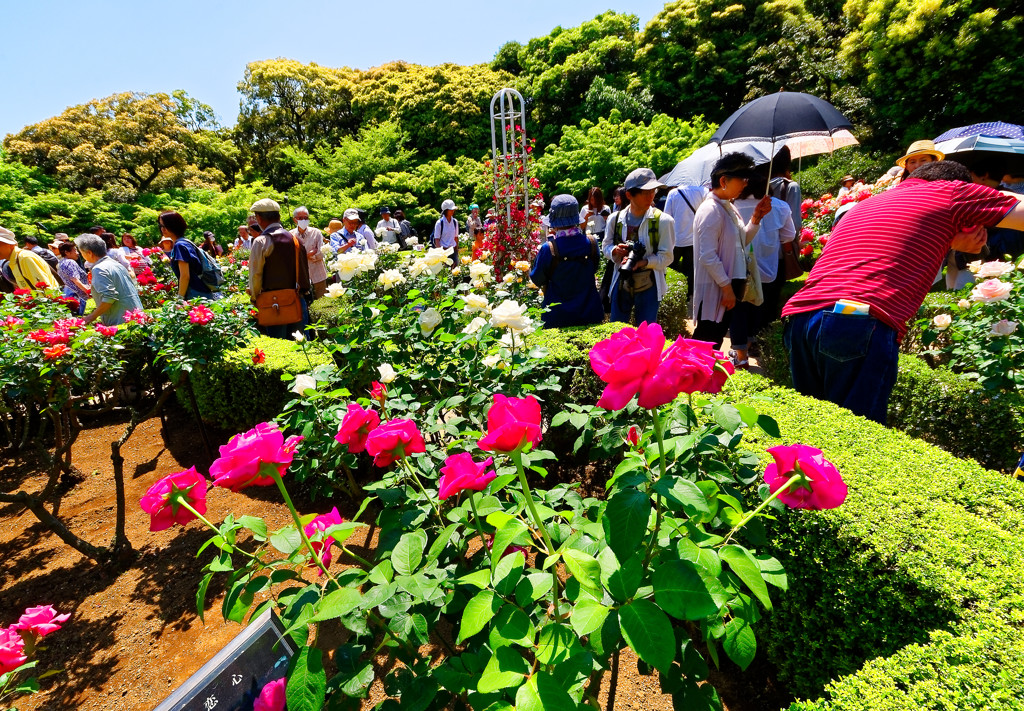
(935, 405)
(236, 394)
(918, 571)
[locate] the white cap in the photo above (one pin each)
(7, 237)
(350, 214)
(447, 205)
(265, 205)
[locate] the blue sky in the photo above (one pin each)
(56, 54)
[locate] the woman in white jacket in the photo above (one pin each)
(719, 239)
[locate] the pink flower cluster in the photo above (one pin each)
(201, 315)
(35, 623)
(107, 331)
(137, 316)
(635, 362)
(12, 322)
(50, 337)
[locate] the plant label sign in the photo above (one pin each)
(232, 680)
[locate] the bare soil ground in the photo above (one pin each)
(134, 634)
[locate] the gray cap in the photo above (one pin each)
(350, 214)
(265, 205)
(447, 205)
(7, 237)
(642, 179)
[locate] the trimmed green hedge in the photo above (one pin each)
(235, 394)
(672, 312)
(918, 571)
(936, 405)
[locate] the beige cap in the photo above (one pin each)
(7, 237)
(351, 214)
(265, 205)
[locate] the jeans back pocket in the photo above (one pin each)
(845, 337)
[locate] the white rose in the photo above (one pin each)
(963, 304)
(429, 320)
(509, 278)
(510, 315)
(303, 383)
(993, 269)
(387, 373)
(479, 285)
(391, 278)
(493, 361)
(522, 266)
(475, 302)
(374, 312)
(512, 339)
(942, 321)
(297, 335)
(480, 272)
(474, 326)
(1003, 328)
(466, 260)
(456, 271)
(975, 266)
(412, 241)
(335, 290)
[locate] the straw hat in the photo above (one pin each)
(924, 147)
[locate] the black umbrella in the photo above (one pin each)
(780, 116)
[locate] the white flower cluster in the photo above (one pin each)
(353, 263)
(390, 278)
(335, 290)
(432, 262)
(509, 314)
(387, 248)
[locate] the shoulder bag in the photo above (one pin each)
(281, 306)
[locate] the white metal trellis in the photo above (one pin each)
(509, 111)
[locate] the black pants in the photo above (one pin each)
(682, 262)
(714, 331)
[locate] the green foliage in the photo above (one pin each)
(935, 405)
(695, 54)
(235, 394)
(603, 153)
(569, 348)
(822, 175)
(946, 62)
(922, 556)
(672, 312)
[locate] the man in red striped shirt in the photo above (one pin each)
(844, 326)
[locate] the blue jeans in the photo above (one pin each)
(644, 303)
(850, 360)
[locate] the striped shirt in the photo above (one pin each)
(887, 251)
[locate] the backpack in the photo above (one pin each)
(211, 276)
(440, 229)
(652, 231)
(557, 259)
(780, 188)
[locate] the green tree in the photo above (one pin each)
(930, 66)
(695, 53)
(128, 143)
(603, 153)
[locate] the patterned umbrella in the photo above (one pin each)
(992, 129)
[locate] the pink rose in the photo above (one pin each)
(378, 392)
(633, 436)
(394, 440)
(40, 621)
(322, 544)
(163, 500)
(107, 331)
(624, 360)
(512, 422)
(721, 366)
(241, 458)
(686, 367)
(990, 291)
(990, 269)
(12, 650)
(200, 315)
(1003, 328)
(461, 473)
(271, 697)
(356, 426)
(821, 486)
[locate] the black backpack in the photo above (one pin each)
(557, 259)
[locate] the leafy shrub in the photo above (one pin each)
(672, 312)
(935, 405)
(923, 553)
(824, 176)
(235, 393)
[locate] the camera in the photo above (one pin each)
(637, 251)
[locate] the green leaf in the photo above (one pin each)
(682, 592)
(769, 426)
(587, 616)
(204, 584)
(505, 668)
(287, 540)
(438, 546)
(747, 413)
(257, 525)
(478, 613)
(542, 693)
(740, 643)
(772, 571)
(684, 494)
(505, 536)
(560, 418)
(556, 644)
(625, 580)
(307, 681)
(342, 531)
(507, 573)
(408, 554)
(744, 565)
(511, 626)
(533, 587)
(727, 416)
(478, 578)
(338, 603)
(625, 521)
(584, 568)
(648, 631)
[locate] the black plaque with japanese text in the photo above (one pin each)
(232, 680)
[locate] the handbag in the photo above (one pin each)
(280, 307)
(754, 292)
(791, 268)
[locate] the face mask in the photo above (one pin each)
(303, 224)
